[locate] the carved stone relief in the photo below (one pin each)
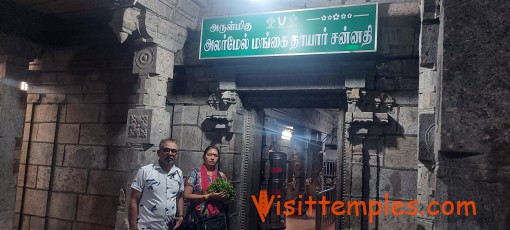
(144, 60)
(139, 124)
(426, 137)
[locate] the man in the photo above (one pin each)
(156, 192)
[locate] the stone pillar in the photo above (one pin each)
(366, 112)
(13, 70)
(149, 122)
(159, 30)
(427, 110)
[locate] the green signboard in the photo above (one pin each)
(344, 29)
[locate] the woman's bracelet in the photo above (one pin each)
(206, 197)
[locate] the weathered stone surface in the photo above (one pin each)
(82, 113)
(202, 113)
(402, 36)
(63, 205)
(96, 98)
(428, 44)
(49, 89)
(45, 113)
(385, 84)
(398, 184)
(68, 133)
(405, 98)
(119, 158)
(355, 82)
(185, 115)
(188, 137)
(391, 221)
(63, 112)
(357, 180)
(113, 113)
(59, 224)
(40, 153)
(469, 65)
(46, 132)
(189, 160)
(36, 222)
(33, 98)
(191, 8)
(147, 126)
(94, 87)
(95, 209)
(400, 9)
(408, 83)
(86, 156)
(106, 182)
(121, 93)
(427, 102)
(70, 179)
(391, 127)
(19, 192)
(486, 189)
(106, 134)
(408, 120)
(402, 51)
(428, 79)
(60, 154)
(43, 177)
(426, 136)
(53, 98)
(410, 70)
(74, 98)
(35, 202)
(400, 152)
(31, 175)
(372, 182)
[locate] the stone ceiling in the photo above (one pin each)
(69, 9)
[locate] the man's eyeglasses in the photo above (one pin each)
(167, 150)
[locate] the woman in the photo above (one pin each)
(206, 207)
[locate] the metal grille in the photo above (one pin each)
(329, 170)
(329, 191)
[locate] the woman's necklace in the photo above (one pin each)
(210, 174)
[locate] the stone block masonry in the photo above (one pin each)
(74, 150)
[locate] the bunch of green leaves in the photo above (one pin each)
(222, 185)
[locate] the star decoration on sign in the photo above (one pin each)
(349, 15)
(336, 16)
(323, 17)
(343, 16)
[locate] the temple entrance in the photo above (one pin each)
(300, 160)
(300, 117)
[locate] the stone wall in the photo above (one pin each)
(74, 149)
(13, 70)
(472, 131)
(380, 155)
(16, 51)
